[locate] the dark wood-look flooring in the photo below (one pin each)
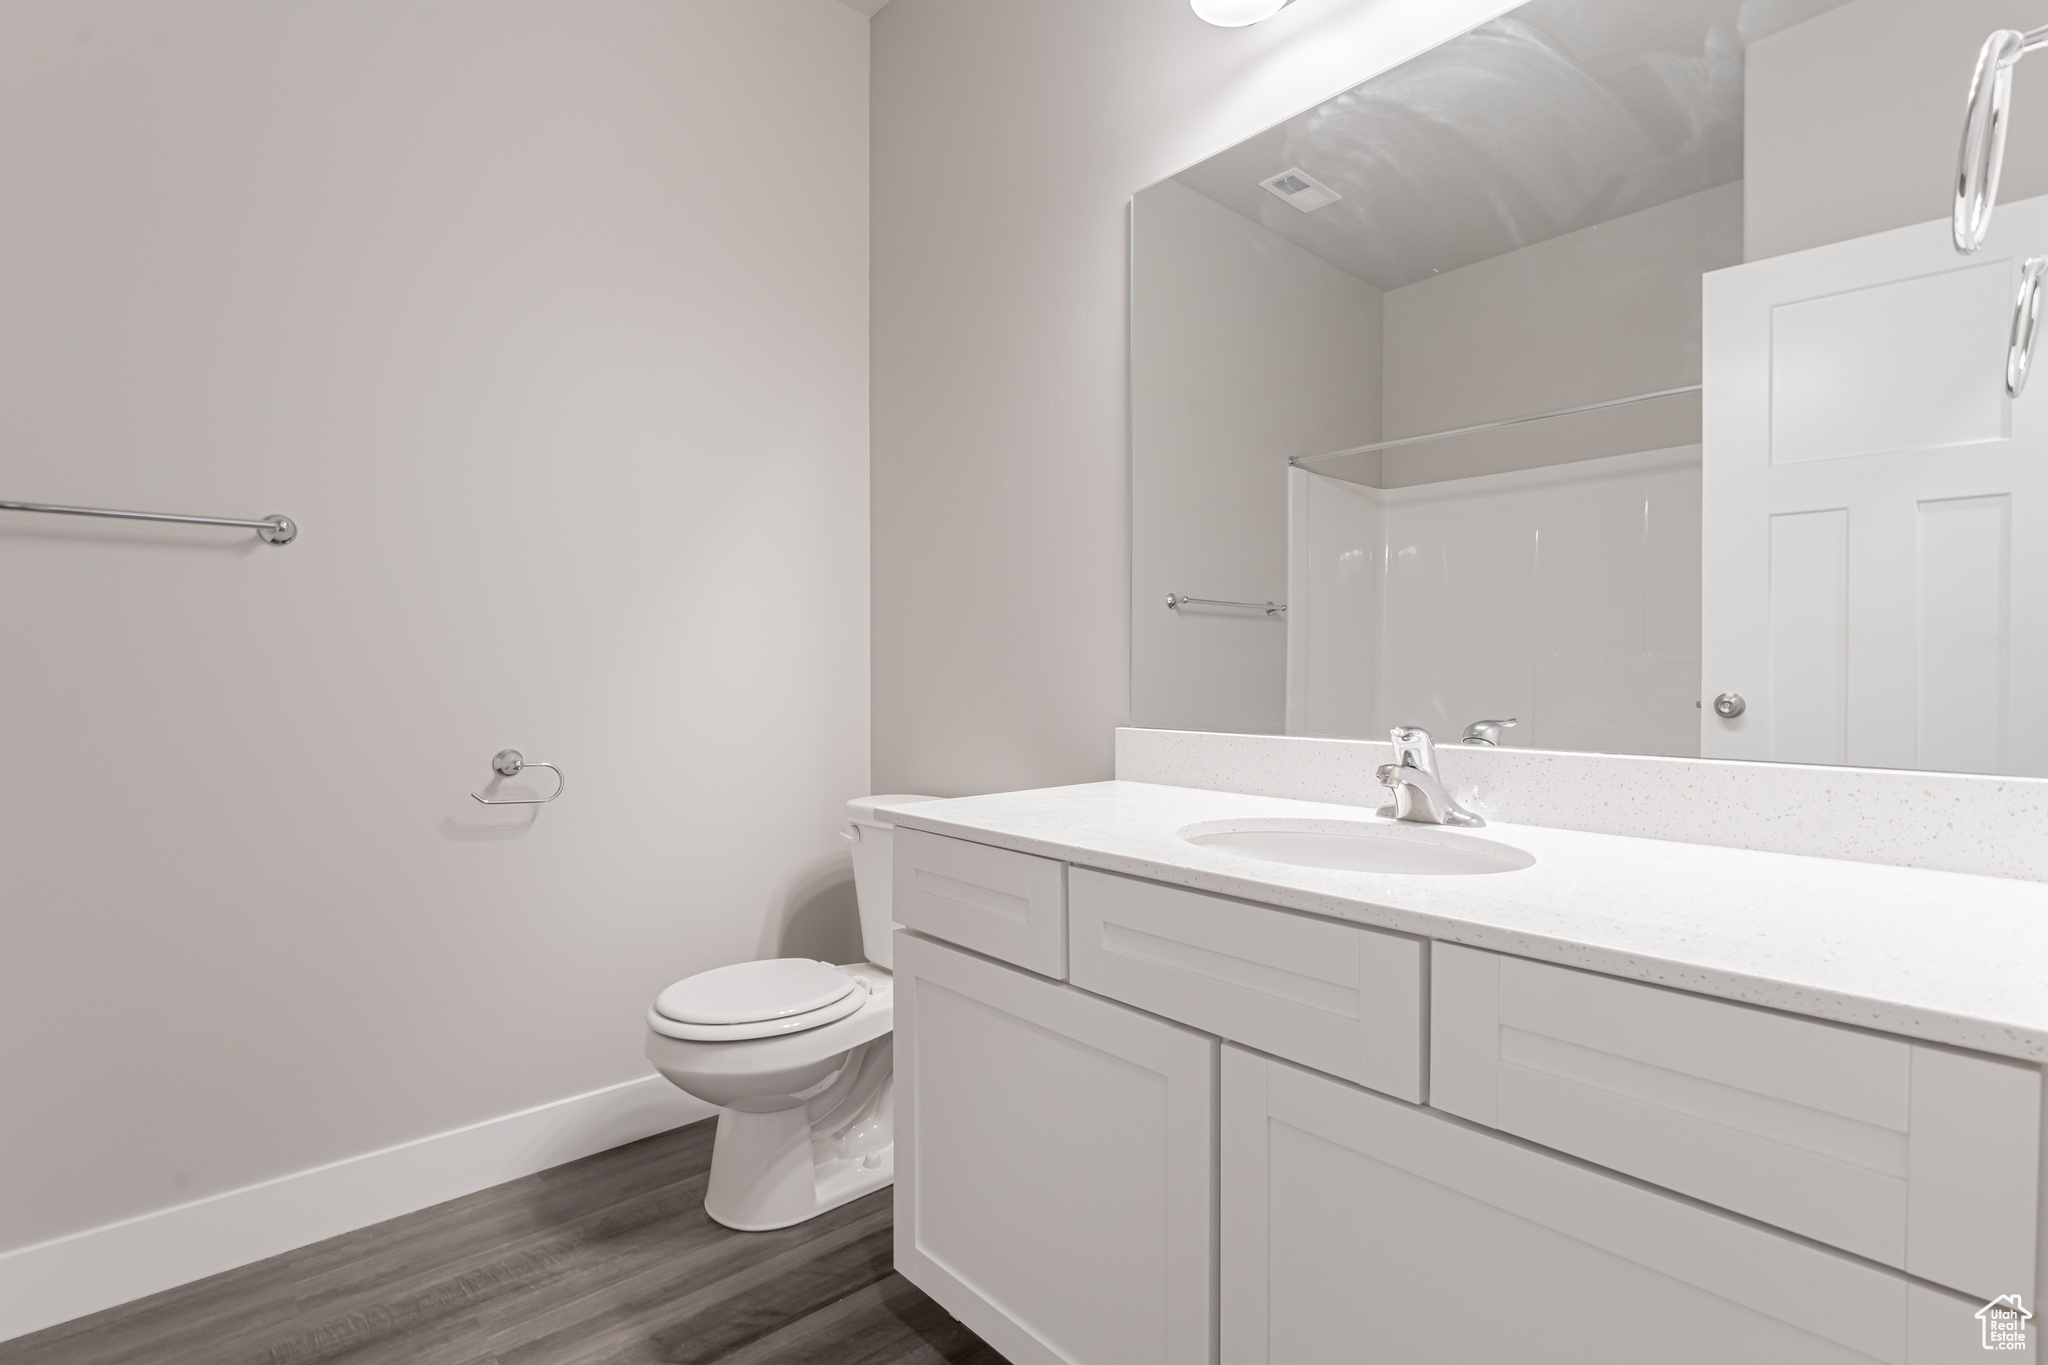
(605, 1261)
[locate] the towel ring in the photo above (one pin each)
(510, 763)
(1985, 113)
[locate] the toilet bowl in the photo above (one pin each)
(796, 1055)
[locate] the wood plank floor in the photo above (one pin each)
(605, 1261)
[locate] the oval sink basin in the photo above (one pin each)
(1360, 846)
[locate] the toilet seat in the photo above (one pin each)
(748, 992)
(756, 1000)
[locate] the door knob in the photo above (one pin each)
(1729, 705)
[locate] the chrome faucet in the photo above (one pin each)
(1419, 795)
(1487, 732)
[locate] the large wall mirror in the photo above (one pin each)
(1607, 361)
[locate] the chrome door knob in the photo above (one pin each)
(1729, 705)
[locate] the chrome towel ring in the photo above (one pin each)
(1982, 154)
(510, 763)
(2026, 325)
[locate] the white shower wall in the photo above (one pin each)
(1566, 597)
(1336, 563)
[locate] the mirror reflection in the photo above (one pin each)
(1610, 379)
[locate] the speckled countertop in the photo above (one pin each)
(1943, 956)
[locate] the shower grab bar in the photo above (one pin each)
(1982, 153)
(1174, 603)
(275, 530)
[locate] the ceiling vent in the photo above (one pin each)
(1301, 189)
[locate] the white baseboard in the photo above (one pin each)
(68, 1277)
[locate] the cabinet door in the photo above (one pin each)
(1055, 1162)
(1357, 1228)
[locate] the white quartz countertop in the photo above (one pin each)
(1942, 956)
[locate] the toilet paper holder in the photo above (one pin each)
(510, 763)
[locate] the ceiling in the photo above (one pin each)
(1554, 117)
(867, 7)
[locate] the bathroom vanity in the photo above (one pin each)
(1170, 1094)
(1565, 387)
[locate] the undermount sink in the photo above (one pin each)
(1359, 846)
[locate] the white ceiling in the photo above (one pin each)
(1558, 115)
(867, 7)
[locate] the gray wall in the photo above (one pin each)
(1600, 313)
(1852, 119)
(1008, 137)
(1245, 350)
(572, 417)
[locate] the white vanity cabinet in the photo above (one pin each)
(1355, 1227)
(1055, 1164)
(1919, 1157)
(1251, 1135)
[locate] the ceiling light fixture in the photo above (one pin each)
(1237, 13)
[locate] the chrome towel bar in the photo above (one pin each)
(1174, 603)
(276, 530)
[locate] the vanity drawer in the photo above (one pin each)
(1340, 998)
(1915, 1156)
(1008, 905)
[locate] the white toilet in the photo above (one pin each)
(796, 1055)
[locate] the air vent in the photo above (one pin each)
(1301, 189)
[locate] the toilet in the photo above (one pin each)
(796, 1055)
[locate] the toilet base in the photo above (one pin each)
(778, 1168)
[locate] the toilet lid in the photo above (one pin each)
(751, 992)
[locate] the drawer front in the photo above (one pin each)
(1341, 998)
(1009, 905)
(1914, 1156)
(1343, 1212)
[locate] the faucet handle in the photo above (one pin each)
(1413, 748)
(1487, 732)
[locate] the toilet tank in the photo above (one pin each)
(871, 828)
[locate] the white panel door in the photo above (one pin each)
(1875, 547)
(1054, 1164)
(1359, 1229)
